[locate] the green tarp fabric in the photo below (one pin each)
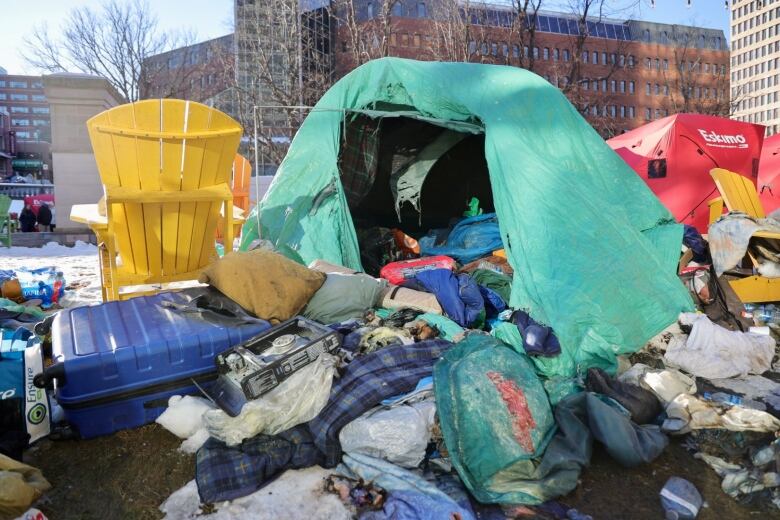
(588, 241)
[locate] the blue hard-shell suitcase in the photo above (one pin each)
(117, 363)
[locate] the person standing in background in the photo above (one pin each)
(27, 219)
(44, 217)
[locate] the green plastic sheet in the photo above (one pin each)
(590, 244)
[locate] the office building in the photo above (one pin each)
(24, 100)
(755, 62)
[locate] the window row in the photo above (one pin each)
(613, 111)
(621, 86)
(657, 89)
(658, 113)
(760, 18)
(749, 103)
(406, 39)
(20, 84)
(754, 54)
(547, 23)
(760, 117)
(756, 37)
(760, 84)
(701, 41)
(612, 58)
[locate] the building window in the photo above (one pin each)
(536, 53)
(546, 54)
(566, 55)
(666, 90)
(612, 111)
(19, 97)
(622, 112)
(648, 114)
(586, 85)
(38, 97)
(556, 54)
(647, 89)
(472, 47)
(657, 89)
(603, 85)
(17, 84)
(631, 60)
(622, 60)
(613, 85)
(40, 110)
(20, 110)
(483, 48)
(657, 64)
(515, 51)
(648, 63)
(22, 135)
(646, 35)
(20, 122)
(416, 40)
(2, 96)
(631, 87)
(525, 50)
(404, 40)
(594, 58)
(603, 58)
(594, 110)
(631, 112)
(36, 84)
(370, 10)
(613, 58)
(421, 11)
(2, 82)
(595, 85)
(585, 55)
(398, 9)
(494, 49)
(622, 86)
(504, 49)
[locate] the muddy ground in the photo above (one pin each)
(129, 474)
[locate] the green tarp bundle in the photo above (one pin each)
(593, 250)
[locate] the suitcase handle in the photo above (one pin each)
(46, 378)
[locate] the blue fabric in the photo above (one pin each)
(225, 473)
(458, 295)
(415, 497)
(693, 239)
(538, 340)
(367, 381)
(470, 239)
(494, 304)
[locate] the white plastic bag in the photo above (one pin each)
(399, 434)
(184, 415)
(713, 352)
(296, 400)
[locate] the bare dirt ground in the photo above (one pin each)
(129, 474)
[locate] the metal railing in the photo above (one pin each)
(20, 190)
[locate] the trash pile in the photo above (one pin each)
(385, 354)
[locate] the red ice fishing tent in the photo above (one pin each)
(769, 174)
(674, 156)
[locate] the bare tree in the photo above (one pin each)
(365, 39)
(111, 41)
(696, 86)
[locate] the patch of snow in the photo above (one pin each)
(295, 495)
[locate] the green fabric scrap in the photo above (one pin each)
(499, 282)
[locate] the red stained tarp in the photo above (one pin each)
(674, 156)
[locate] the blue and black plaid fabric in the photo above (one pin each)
(358, 157)
(367, 381)
(225, 473)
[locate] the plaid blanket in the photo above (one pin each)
(358, 157)
(224, 473)
(367, 381)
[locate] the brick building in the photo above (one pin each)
(196, 72)
(22, 97)
(626, 73)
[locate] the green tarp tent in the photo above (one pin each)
(593, 250)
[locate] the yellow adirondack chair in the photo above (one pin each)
(165, 166)
(739, 194)
(241, 177)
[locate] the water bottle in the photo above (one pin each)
(59, 287)
(680, 499)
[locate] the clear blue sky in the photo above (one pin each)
(211, 18)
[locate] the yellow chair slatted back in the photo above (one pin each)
(153, 156)
(242, 176)
(738, 192)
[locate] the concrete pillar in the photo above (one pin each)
(73, 99)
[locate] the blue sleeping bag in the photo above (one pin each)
(471, 238)
(458, 295)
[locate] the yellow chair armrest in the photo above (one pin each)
(120, 194)
(716, 208)
(88, 214)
